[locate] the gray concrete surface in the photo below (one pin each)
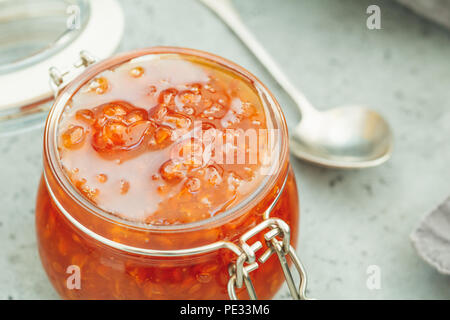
(350, 219)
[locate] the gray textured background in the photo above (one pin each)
(350, 219)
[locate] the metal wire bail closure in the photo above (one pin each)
(246, 261)
(59, 78)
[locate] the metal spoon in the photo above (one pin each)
(345, 137)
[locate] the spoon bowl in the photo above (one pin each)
(343, 137)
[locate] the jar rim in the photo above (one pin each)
(57, 110)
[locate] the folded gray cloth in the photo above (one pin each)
(432, 238)
(436, 10)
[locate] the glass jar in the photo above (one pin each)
(235, 254)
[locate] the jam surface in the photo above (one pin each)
(164, 141)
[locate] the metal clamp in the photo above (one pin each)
(59, 78)
(246, 262)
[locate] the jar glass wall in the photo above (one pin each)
(115, 257)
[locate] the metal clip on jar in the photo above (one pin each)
(228, 255)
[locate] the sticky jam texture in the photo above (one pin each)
(132, 140)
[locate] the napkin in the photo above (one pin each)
(432, 238)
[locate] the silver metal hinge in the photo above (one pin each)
(59, 78)
(277, 240)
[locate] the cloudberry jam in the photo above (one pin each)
(161, 149)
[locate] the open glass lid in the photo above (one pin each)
(36, 35)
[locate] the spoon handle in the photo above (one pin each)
(225, 10)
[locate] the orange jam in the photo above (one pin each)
(164, 149)
(129, 141)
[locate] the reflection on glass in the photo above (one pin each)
(31, 30)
